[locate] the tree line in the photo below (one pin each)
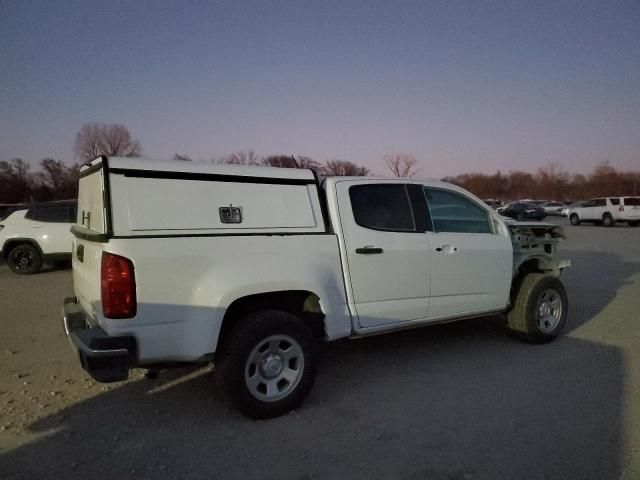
(551, 182)
(56, 180)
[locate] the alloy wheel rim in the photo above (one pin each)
(22, 260)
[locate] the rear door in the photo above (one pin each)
(387, 252)
(52, 223)
(89, 232)
(589, 210)
(471, 257)
(599, 208)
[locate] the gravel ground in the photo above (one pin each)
(458, 401)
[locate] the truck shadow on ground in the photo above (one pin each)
(593, 282)
(457, 401)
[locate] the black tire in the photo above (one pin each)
(607, 220)
(24, 259)
(574, 219)
(523, 317)
(240, 347)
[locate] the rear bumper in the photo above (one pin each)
(106, 358)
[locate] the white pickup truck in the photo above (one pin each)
(249, 267)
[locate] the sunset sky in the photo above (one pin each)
(464, 86)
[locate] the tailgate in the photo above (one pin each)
(631, 208)
(90, 236)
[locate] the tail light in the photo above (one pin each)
(118, 285)
(621, 209)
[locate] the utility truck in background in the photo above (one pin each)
(250, 267)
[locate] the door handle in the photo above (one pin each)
(447, 249)
(368, 250)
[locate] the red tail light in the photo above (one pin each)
(118, 284)
(621, 209)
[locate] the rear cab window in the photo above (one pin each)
(383, 207)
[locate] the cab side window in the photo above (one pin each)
(453, 212)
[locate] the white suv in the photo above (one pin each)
(28, 238)
(607, 211)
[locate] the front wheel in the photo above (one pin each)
(574, 219)
(607, 220)
(269, 364)
(539, 312)
(24, 259)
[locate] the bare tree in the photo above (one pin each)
(182, 158)
(242, 157)
(290, 161)
(87, 145)
(15, 181)
(54, 173)
(56, 180)
(95, 139)
(402, 164)
(341, 168)
(116, 141)
(282, 161)
(308, 162)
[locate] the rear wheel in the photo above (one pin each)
(574, 219)
(540, 309)
(269, 364)
(607, 220)
(24, 259)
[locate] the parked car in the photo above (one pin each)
(524, 211)
(39, 234)
(565, 211)
(495, 204)
(249, 267)
(7, 209)
(553, 208)
(608, 211)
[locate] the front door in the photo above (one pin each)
(387, 254)
(471, 258)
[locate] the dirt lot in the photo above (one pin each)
(459, 401)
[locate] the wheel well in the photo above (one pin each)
(9, 244)
(302, 303)
(530, 266)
